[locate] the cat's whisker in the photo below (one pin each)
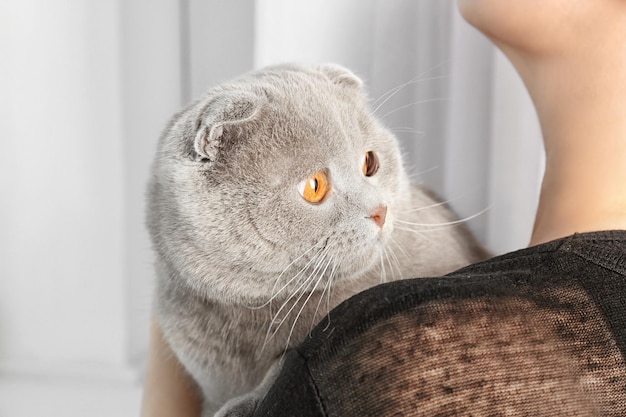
(328, 294)
(298, 276)
(294, 261)
(466, 194)
(385, 257)
(450, 223)
(395, 262)
(415, 103)
(301, 290)
(424, 232)
(326, 290)
(420, 77)
(442, 203)
(416, 176)
(276, 293)
(391, 93)
(303, 286)
(274, 316)
(295, 320)
(417, 232)
(406, 130)
(404, 252)
(383, 273)
(309, 280)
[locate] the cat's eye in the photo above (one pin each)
(370, 164)
(315, 188)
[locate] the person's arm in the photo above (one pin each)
(168, 391)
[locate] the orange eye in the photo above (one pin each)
(314, 188)
(371, 164)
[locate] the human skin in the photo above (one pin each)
(169, 390)
(571, 54)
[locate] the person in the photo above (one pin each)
(540, 331)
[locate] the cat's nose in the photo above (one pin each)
(378, 215)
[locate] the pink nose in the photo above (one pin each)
(378, 215)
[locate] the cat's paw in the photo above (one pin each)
(243, 406)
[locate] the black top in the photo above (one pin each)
(537, 332)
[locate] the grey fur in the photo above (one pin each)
(240, 255)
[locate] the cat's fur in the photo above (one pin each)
(245, 265)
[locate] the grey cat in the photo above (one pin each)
(273, 198)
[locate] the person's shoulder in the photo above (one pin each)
(520, 330)
(588, 266)
(537, 330)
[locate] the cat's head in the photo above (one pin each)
(275, 181)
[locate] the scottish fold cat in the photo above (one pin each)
(273, 198)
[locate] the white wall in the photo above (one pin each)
(516, 160)
(220, 42)
(62, 186)
(153, 89)
(311, 32)
(468, 138)
(86, 89)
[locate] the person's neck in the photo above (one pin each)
(581, 103)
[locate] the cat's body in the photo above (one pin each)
(265, 213)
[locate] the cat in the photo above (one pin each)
(273, 198)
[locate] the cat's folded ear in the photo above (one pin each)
(223, 117)
(341, 76)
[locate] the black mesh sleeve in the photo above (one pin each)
(539, 332)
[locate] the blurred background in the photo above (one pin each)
(85, 89)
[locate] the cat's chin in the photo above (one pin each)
(362, 264)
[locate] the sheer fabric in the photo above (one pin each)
(538, 332)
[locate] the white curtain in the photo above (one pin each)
(87, 86)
